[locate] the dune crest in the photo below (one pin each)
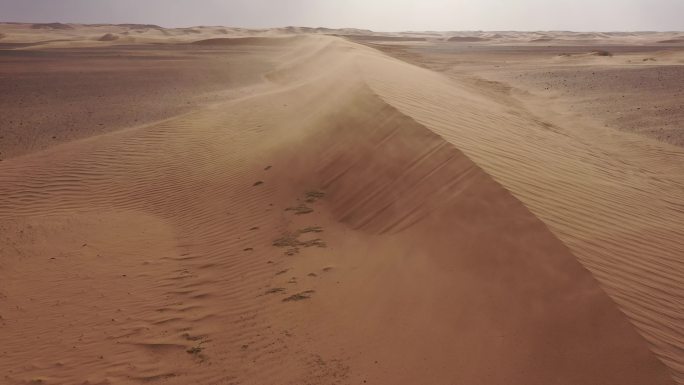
(250, 41)
(613, 198)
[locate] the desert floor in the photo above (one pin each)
(216, 205)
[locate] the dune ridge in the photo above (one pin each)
(613, 199)
(338, 226)
(467, 39)
(228, 41)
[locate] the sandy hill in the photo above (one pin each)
(332, 215)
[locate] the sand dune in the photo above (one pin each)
(52, 26)
(675, 40)
(614, 199)
(109, 37)
(467, 39)
(339, 216)
(250, 41)
(383, 38)
(84, 35)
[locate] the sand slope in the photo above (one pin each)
(350, 223)
(614, 198)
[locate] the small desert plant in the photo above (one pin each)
(291, 240)
(275, 290)
(287, 240)
(195, 350)
(300, 210)
(299, 296)
(311, 229)
(314, 195)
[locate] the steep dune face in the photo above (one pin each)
(443, 266)
(311, 233)
(614, 198)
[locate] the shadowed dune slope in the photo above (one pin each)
(447, 268)
(614, 198)
(312, 233)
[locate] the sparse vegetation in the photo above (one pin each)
(299, 296)
(292, 242)
(195, 350)
(275, 290)
(300, 209)
(311, 229)
(314, 242)
(286, 240)
(188, 337)
(314, 195)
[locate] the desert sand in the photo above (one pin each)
(215, 205)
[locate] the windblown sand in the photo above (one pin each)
(249, 207)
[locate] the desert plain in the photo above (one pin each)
(215, 205)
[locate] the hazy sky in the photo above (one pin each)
(381, 15)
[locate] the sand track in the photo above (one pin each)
(404, 261)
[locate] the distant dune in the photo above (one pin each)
(109, 37)
(542, 40)
(52, 26)
(140, 26)
(676, 40)
(383, 37)
(467, 39)
(255, 41)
